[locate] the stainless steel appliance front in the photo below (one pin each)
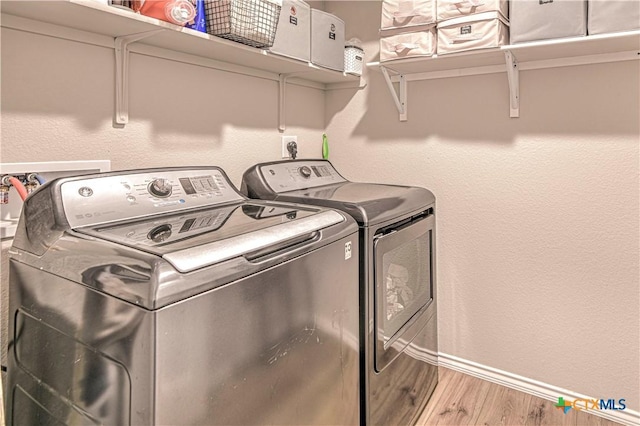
(398, 318)
(400, 366)
(403, 290)
(105, 330)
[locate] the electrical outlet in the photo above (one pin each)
(285, 142)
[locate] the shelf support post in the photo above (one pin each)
(400, 98)
(513, 75)
(121, 46)
(282, 84)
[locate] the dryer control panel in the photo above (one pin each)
(303, 174)
(107, 198)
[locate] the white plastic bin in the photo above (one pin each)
(546, 19)
(480, 31)
(327, 40)
(449, 9)
(610, 16)
(293, 36)
(353, 57)
(399, 45)
(407, 13)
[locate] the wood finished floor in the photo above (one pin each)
(460, 399)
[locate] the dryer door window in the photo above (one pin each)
(403, 286)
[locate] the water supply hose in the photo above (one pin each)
(22, 191)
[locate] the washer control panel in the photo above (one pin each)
(303, 174)
(101, 199)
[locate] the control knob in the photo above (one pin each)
(160, 233)
(305, 172)
(160, 188)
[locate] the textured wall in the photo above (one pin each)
(538, 235)
(58, 100)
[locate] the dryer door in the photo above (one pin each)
(403, 285)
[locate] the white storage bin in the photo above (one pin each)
(399, 45)
(407, 13)
(327, 40)
(480, 31)
(353, 59)
(544, 19)
(293, 36)
(449, 9)
(609, 16)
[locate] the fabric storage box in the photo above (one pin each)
(399, 45)
(251, 22)
(327, 40)
(544, 19)
(407, 13)
(449, 9)
(609, 16)
(293, 36)
(479, 31)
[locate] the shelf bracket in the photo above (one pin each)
(121, 46)
(513, 75)
(399, 98)
(282, 84)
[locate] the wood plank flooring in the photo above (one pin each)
(460, 399)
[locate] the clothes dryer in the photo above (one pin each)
(398, 321)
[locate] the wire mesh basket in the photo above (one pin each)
(251, 22)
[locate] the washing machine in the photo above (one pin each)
(164, 296)
(398, 332)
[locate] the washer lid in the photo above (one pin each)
(191, 240)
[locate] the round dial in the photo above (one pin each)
(160, 187)
(160, 233)
(305, 172)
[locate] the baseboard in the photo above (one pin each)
(430, 357)
(532, 387)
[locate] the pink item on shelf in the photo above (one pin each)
(178, 12)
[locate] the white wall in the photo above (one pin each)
(537, 217)
(58, 103)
